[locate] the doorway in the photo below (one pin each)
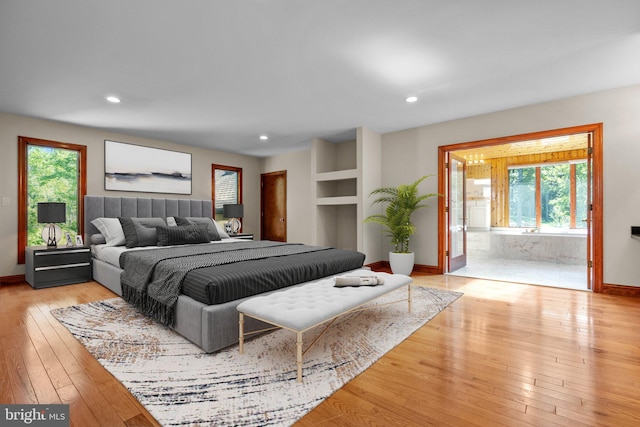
(532, 202)
(273, 206)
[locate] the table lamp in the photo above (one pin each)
(233, 212)
(51, 213)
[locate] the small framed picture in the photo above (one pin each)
(70, 241)
(79, 241)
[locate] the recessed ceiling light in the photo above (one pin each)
(113, 99)
(411, 98)
(263, 137)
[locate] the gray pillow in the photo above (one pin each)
(97, 239)
(140, 231)
(182, 234)
(208, 222)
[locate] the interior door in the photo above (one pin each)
(457, 213)
(273, 206)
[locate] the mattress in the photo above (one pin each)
(228, 282)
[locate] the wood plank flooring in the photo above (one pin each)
(503, 354)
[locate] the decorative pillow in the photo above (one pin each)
(111, 229)
(182, 234)
(210, 224)
(97, 239)
(141, 231)
(171, 221)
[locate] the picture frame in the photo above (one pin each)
(79, 241)
(70, 241)
(138, 168)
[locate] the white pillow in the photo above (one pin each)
(221, 231)
(171, 221)
(111, 229)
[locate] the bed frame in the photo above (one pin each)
(211, 327)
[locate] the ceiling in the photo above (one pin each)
(219, 74)
(522, 148)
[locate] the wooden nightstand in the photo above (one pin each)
(245, 236)
(47, 267)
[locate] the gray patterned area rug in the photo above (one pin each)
(179, 384)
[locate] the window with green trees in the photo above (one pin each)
(49, 171)
(553, 196)
(52, 177)
(522, 197)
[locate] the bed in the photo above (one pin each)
(211, 277)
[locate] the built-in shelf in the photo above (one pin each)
(337, 188)
(337, 175)
(339, 184)
(343, 200)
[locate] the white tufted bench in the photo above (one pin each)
(301, 308)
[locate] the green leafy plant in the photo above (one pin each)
(52, 177)
(402, 202)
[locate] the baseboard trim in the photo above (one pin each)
(425, 269)
(12, 280)
(378, 266)
(417, 268)
(621, 290)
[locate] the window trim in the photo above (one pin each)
(23, 143)
(215, 167)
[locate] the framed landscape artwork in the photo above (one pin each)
(129, 167)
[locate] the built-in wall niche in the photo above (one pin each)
(337, 188)
(336, 226)
(340, 182)
(333, 157)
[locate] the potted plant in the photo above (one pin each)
(402, 202)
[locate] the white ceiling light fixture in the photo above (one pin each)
(411, 99)
(263, 137)
(113, 99)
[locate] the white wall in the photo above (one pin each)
(412, 153)
(370, 169)
(12, 126)
(299, 202)
(406, 155)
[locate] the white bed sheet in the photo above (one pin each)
(111, 254)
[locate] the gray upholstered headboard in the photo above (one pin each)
(113, 207)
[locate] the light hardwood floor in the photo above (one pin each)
(503, 354)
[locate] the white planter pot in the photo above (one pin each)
(401, 263)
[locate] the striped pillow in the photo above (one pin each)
(182, 234)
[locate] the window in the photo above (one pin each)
(49, 171)
(522, 197)
(226, 187)
(580, 204)
(553, 196)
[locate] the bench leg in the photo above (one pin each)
(299, 355)
(241, 334)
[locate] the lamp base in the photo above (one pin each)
(233, 226)
(51, 234)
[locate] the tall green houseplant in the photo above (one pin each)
(402, 202)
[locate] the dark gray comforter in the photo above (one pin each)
(153, 279)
